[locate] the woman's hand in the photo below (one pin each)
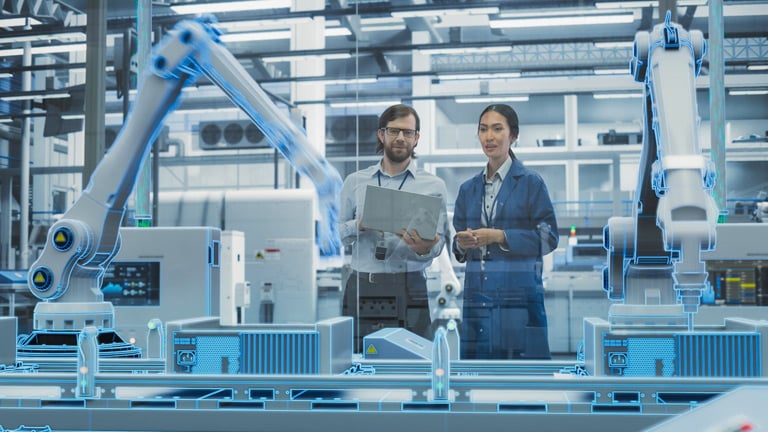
(476, 238)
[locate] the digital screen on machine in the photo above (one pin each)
(135, 283)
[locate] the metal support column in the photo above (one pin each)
(26, 142)
(717, 102)
(143, 211)
(6, 225)
(95, 88)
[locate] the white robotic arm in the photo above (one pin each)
(81, 245)
(655, 265)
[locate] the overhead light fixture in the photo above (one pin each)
(235, 6)
(255, 36)
(18, 22)
(564, 20)
(350, 81)
(476, 76)
(63, 37)
(608, 71)
(491, 99)
(625, 4)
(465, 50)
(748, 92)
(363, 103)
(642, 4)
(47, 49)
(5, 75)
(337, 31)
(416, 13)
(757, 67)
(255, 25)
(6, 119)
(285, 58)
(745, 10)
(381, 24)
(378, 28)
(226, 110)
(629, 95)
(72, 116)
(38, 95)
(614, 45)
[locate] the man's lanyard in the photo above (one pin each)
(407, 173)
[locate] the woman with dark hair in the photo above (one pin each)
(504, 223)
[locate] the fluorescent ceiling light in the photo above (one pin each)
(235, 6)
(21, 97)
(754, 92)
(465, 50)
(741, 10)
(72, 116)
(355, 104)
(62, 37)
(393, 27)
(255, 25)
(6, 75)
(616, 95)
(18, 22)
(491, 99)
(48, 49)
(626, 4)
(757, 67)
(557, 21)
(332, 56)
(369, 80)
(613, 45)
(207, 110)
(6, 119)
(474, 76)
(642, 4)
(618, 71)
(439, 12)
(337, 31)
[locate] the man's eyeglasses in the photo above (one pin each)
(394, 132)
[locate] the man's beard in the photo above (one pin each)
(397, 157)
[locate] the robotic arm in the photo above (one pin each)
(654, 256)
(81, 245)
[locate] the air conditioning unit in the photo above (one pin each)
(230, 134)
(344, 133)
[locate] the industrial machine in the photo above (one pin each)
(655, 268)
(68, 273)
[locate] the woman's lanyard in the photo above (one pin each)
(407, 173)
(489, 218)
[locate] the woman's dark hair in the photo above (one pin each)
(395, 112)
(510, 115)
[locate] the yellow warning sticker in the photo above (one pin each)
(371, 350)
(39, 278)
(60, 238)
